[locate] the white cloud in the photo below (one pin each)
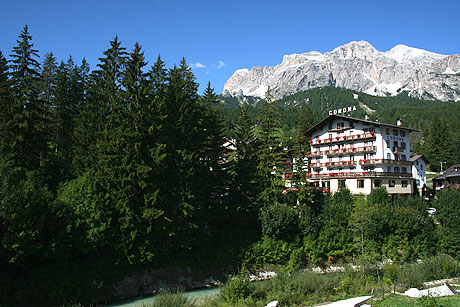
(220, 64)
(197, 65)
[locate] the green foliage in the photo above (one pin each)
(279, 222)
(267, 251)
(448, 212)
(172, 299)
(236, 289)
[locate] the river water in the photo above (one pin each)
(138, 302)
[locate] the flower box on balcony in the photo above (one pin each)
(336, 149)
(331, 174)
(330, 139)
(372, 133)
(309, 175)
(310, 141)
(337, 137)
(344, 137)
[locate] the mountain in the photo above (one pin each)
(357, 66)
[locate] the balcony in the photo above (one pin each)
(338, 129)
(316, 165)
(316, 154)
(350, 174)
(340, 164)
(352, 150)
(372, 162)
(398, 149)
(343, 139)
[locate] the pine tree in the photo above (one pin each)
(439, 146)
(26, 117)
(5, 106)
(269, 152)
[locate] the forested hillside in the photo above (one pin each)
(438, 122)
(116, 170)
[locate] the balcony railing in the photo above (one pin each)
(340, 164)
(352, 150)
(343, 175)
(371, 162)
(340, 129)
(341, 139)
(314, 154)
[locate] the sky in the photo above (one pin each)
(218, 37)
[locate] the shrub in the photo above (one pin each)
(237, 289)
(173, 299)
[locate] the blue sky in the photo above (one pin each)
(218, 37)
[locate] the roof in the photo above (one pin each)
(453, 171)
(331, 118)
(416, 157)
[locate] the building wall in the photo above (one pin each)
(418, 173)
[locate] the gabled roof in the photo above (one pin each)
(416, 157)
(453, 171)
(331, 118)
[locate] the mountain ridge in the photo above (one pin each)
(357, 66)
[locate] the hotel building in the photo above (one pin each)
(360, 155)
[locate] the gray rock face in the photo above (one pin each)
(356, 66)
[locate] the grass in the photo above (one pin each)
(395, 300)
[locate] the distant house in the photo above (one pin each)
(419, 163)
(450, 179)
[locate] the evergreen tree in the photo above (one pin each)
(5, 105)
(269, 152)
(27, 113)
(48, 79)
(439, 145)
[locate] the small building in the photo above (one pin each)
(419, 163)
(361, 155)
(449, 179)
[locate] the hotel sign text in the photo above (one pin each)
(342, 110)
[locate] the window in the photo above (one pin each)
(395, 144)
(330, 126)
(330, 135)
(395, 132)
(403, 145)
(396, 170)
(403, 157)
(416, 162)
(389, 169)
(392, 184)
(360, 183)
(403, 133)
(403, 170)
(342, 184)
(388, 130)
(404, 183)
(389, 156)
(377, 183)
(396, 157)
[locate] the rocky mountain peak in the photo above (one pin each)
(357, 66)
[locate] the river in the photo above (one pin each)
(138, 302)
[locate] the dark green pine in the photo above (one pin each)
(27, 135)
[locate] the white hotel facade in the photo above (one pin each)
(361, 155)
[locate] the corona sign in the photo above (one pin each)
(342, 110)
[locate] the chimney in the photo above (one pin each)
(399, 122)
(366, 117)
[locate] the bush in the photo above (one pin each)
(237, 289)
(279, 222)
(173, 299)
(267, 251)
